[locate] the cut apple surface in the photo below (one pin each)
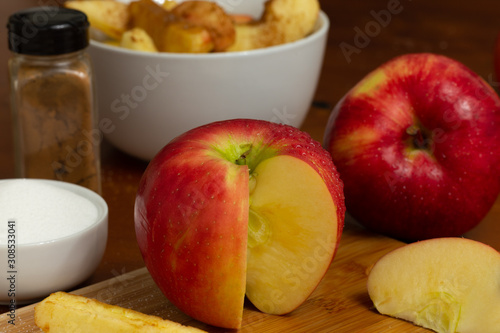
(239, 207)
(291, 236)
(444, 284)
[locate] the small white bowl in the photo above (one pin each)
(40, 268)
(147, 99)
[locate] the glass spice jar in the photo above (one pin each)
(52, 97)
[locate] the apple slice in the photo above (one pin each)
(239, 207)
(444, 284)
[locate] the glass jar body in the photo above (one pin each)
(55, 120)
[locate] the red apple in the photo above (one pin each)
(417, 145)
(239, 207)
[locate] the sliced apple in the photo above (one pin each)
(444, 284)
(290, 234)
(239, 207)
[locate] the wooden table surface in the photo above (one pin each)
(463, 30)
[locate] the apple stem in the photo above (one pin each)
(242, 160)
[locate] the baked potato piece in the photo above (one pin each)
(66, 313)
(110, 17)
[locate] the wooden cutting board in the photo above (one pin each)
(339, 304)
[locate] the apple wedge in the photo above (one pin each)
(444, 284)
(239, 207)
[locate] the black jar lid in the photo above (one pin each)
(47, 30)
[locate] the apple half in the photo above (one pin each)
(444, 284)
(239, 207)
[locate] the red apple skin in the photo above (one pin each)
(191, 218)
(394, 187)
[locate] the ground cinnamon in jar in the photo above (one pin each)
(54, 114)
(53, 99)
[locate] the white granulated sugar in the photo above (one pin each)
(42, 211)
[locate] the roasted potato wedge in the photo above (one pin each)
(110, 17)
(67, 313)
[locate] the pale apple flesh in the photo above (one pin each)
(291, 234)
(239, 207)
(444, 284)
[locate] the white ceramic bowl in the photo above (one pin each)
(147, 99)
(40, 268)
